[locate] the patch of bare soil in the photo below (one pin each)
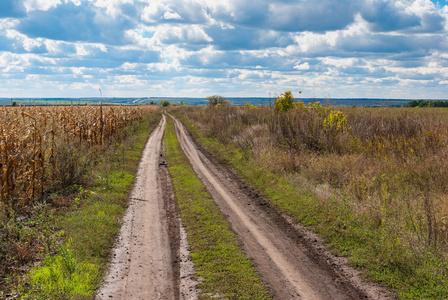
(292, 261)
(147, 262)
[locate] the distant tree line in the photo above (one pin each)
(217, 100)
(427, 103)
(163, 103)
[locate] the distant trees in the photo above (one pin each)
(217, 100)
(164, 103)
(427, 103)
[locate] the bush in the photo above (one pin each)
(285, 102)
(216, 100)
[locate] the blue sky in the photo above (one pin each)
(196, 48)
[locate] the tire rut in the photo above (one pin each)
(147, 261)
(289, 268)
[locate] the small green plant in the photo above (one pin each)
(300, 105)
(63, 277)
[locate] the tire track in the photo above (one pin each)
(286, 266)
(145, 263)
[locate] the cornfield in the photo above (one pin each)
(31, 140)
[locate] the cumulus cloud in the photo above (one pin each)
(333, 48)
(77, 23)
(169, 11)
(404, 15)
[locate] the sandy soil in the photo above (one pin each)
(292, 261)
(147, 262)
(151, 258)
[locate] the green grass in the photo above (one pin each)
(348, 234)
(88, 229)
(219, 260)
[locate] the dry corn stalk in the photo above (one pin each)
(28, 138)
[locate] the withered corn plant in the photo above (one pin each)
(41, 148)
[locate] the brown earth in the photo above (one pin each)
(151, 259)
(147, 262)
(292, 261)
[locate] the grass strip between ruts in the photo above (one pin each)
(89, 229)
(220, 262)
(346, 234)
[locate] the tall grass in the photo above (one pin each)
(373, 181)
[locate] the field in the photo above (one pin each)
(46, 155)
(35, 141)
(372, 182)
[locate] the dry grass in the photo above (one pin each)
(387, 168)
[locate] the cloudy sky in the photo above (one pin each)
(196, 48)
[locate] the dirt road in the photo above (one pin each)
(142, 266)
(290, 268)
(150, 260)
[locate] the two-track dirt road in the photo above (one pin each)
(151, 259)
(146, 264)
(290, 268)
(141, 264)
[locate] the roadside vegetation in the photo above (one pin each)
(66, 173)
(221, 265)
(372, 182)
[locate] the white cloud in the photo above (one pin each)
(174, 34)
(77, 71)
(339, 62)
(112, 7)
(31, 5)
(81, 50)
(170, 15)
(131, 47)
(302, 67)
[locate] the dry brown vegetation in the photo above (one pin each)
(387, 168)
(39, 146)
(44, 154)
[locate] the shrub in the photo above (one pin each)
(216, 100)
(285, 102)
